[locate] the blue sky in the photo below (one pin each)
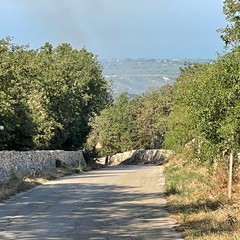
(118, 28)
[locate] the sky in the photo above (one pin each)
(118, 28)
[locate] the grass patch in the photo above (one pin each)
(198, 200)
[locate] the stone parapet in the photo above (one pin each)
(152, 156)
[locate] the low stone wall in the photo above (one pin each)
(153, 156)
(29, 162)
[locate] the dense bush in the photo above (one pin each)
(132, 123)
(206, 106)
(48, 95)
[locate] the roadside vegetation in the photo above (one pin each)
(48, 96)
(204, 129)
(198, 199)
(131, 123)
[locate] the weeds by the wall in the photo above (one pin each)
(15, 185)
(19, 183)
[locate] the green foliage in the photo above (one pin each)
(151, 110)
(206, 98)
(112, 129)
(48, 95)
(230, 34)
(75, 91)
(132, 123)
(206, 106)
(181, 122)
(181, 128)
(17, 69)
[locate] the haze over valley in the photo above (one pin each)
(135, 76)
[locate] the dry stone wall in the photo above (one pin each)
(29, 162)
(153, 156)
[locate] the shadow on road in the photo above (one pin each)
(84, 209)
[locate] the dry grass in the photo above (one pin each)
(19, 183)
(198, 199)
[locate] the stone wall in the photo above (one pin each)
(153, 156)
(29, 162)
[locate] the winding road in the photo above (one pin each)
(123, 202)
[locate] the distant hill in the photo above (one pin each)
(135, 76)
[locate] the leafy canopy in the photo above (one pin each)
(48, 95)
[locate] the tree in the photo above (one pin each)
(209, 95)
(74, 90)
(17, 69)
(181, 124)
(153, 108)
(48, 95)
(112, 129)
(132, 123)
(231, 33)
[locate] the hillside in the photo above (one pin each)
(135, 76)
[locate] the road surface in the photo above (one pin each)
(124, 202)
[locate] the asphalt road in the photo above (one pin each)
(124, 202)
